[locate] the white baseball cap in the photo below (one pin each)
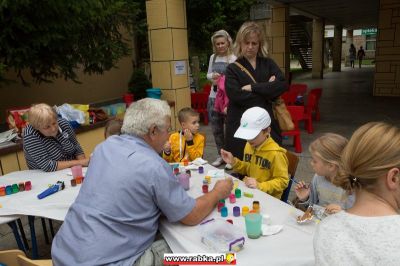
(252, 122)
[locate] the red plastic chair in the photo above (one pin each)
(318, 93)
(297, 113)
(207, 88)
(298, 89)
(199, 103)
(308, 109)
(289, 97)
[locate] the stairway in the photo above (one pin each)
(300, 41)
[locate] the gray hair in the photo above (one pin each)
(141, 115)
(41, 114)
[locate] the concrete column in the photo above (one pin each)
(318, 48)
(167, 29)
(279, 41)
(345, 49)
(337, 49)
(387, 56)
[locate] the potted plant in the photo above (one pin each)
(138, 84)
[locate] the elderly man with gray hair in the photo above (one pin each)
(128, 186)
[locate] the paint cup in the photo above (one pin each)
(220, 205)
(256, 206)
(184, 180)
(205, 188)
(224, 211)
(76, 171)
(253, 225)
(245, 210)
(238, 193)
(232, 198)
(201, 170)
(236, 211)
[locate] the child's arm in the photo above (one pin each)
(195, 147)
(280, 176)
(313, 196)
(239, 166)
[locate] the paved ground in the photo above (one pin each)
(346, 104)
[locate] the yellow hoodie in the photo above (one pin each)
(189, 149)
(268, 164)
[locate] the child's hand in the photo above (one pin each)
(188, 134)
(302, 191)
(215, 76)
(272, 78)
(227, 156)
(225, 110)
(167, 147)
(250, 182)
(333, 208)
(246, 88)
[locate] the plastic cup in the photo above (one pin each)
(76, 171)
(253, 225)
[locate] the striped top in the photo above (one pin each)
(44, 152)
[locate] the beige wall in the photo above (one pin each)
(168, 43)
(279, 39)
(95, 88)
(387, 66)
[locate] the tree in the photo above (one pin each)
(205, 17)
(53, 39)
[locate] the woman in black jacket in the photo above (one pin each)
(264, 85)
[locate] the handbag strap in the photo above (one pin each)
(245, 71)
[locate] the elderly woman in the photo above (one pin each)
(49, 142)
(368, 233)
(257, 81)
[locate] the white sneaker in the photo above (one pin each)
(228, 166)
(217, 162)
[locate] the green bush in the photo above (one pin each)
(139, 83)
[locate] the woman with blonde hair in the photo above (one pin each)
(222, 47)
(368, 233)
(255, 81)
(49, 142)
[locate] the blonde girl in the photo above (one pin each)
(326, 162)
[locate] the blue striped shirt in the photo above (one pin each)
(44, 152)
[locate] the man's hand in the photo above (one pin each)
(223, 188)
(250, 182)
(227, 157)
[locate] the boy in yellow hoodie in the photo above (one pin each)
(187, 143)
(264, 164)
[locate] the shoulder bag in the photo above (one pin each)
(281, 113)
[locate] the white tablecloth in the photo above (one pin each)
(292, 246)
(26, 203)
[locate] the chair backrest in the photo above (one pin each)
(207, 88)
(9, 257)
(317, 92)
(293, 161)
(289, 97)
(298, 89)
(297, 113)
(24, 261)
(199, 100)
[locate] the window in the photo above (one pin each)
(370, 42)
